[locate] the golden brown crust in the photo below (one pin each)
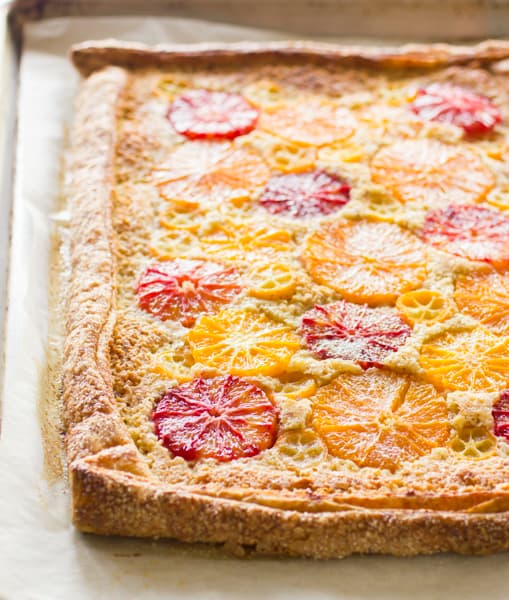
(91, 56)
(113, 492)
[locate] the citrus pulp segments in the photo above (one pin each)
(365, 262)
(310, 123)
(380, 419)
(306, 194)
(205, 114)
(242, 343)
(474, 360)
(456, 105)
(431, 173)
(182, 289)
(353, 332)
(485, 297)
(472, 232)
(223, 418)
(424, 306)
(211, 172)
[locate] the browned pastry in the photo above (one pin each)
(286, 320)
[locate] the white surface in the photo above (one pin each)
(41, 557)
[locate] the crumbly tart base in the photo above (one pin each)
(114, 491)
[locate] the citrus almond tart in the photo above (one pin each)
(287, 310)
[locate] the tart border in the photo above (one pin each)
(113, 491)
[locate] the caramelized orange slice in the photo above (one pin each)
(485, 297)
(234, 240)
(431, 173)
(475, 361)
(380, 419)
(366, 262)
(202, 172)
(242, 343)
(424, 306)
(309, 123)
(271, 281)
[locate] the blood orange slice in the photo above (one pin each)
(474, 360)
(365, 262)
(353, 332)
(224, 418)
(242, 343)
(500, 413)
(205, 114)
(431, 173)
(309, 123)
(485, 297)
(305, 194)
(380, 419)
(455, 105)
(472, 232)
(182, 289)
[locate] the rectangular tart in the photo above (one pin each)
(287, 311)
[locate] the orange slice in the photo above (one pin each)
(474, 442)
(424, 306)
(271, 281)
(265, 93)
(485, 297)
(299, 388)
(366, 262)
(431, 173)
(309, 123)
(201, 172)
(233, 240)
(242, 343)
(475, 360)
(172, 364)
(301, 449)
(380, 419)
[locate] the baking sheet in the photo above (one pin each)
(41, 556)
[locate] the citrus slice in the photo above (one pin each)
(472, 232)
(455, 105)
(309, 123)
(380, 419)
(431, 173)
(233, 240)
(242, 343)
(353, 332)
(289, 157)
(271, 281)
(473, 442)
(172, 364)
(305, 194)
(295, 389)
(500, 413)
(424, 306)
(204, 114)
(224, 418)
(474, 360)
(265, 93)
(171, 86)
(485, 297)
(365, 262)
(301, 449)
(201, 172)
(181, 289)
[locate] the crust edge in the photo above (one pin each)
(128, 505)
(92, 56)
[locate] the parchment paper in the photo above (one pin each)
(41, 556)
